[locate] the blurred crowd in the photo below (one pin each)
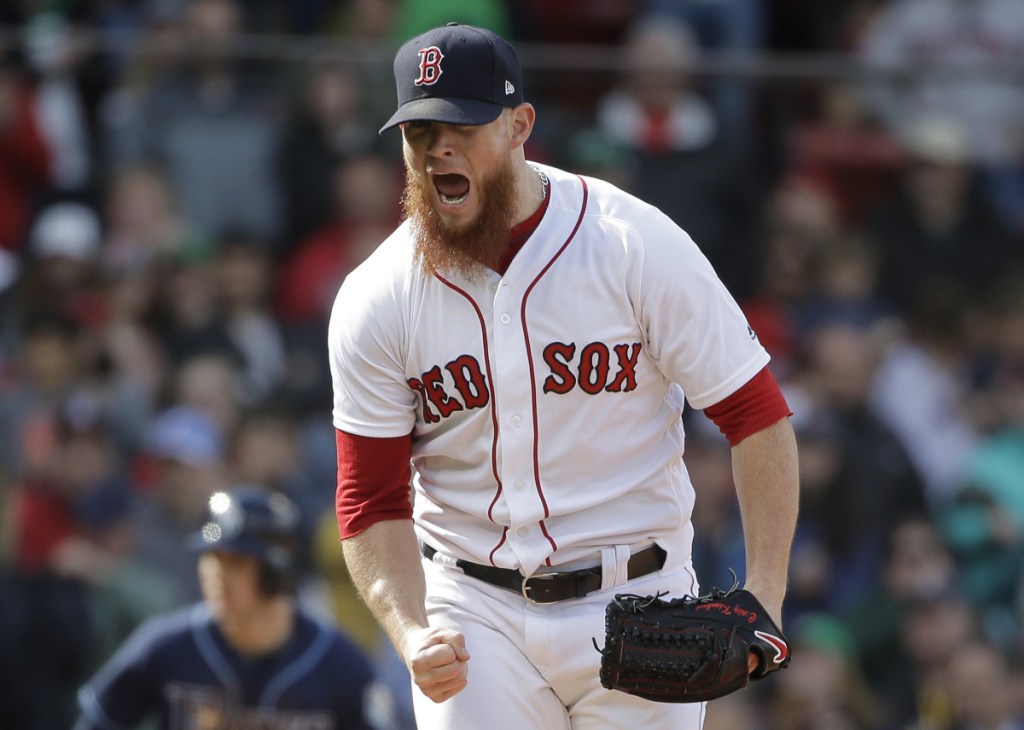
(179, 202)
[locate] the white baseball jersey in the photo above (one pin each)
(545, 404)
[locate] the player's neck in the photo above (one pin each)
(523, 230)
(261, 630)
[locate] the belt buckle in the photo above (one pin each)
(542, 576)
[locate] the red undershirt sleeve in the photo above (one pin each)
(374, 478)
(754, 407)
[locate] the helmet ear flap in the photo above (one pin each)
(276, 571)
(272, 581)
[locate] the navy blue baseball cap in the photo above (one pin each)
(457, 74)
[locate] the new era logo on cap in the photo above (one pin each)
(458, 74)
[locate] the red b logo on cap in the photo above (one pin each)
(430, 66)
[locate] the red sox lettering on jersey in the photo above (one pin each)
(536, 398)
(593, 369)
(591, 372)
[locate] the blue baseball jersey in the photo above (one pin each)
(180, 668)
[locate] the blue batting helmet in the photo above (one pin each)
(258, 522)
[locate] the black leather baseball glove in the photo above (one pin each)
(688, 649)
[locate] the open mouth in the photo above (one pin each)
(451, 188)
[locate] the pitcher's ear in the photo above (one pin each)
(521, 123)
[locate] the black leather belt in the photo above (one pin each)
(559, 586)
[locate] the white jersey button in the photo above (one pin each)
(505, 318)
(516, 421)
(518, 485)
(523, 531)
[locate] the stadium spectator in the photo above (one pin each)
(25, 155)
(679, 160)
(983, 688)
(776, 283)
(858, 481)
(55, 51)
(921, 388)
(828, 689)
(243, 270)
(737, 28)
(186, 315)
(212, 124)
(983, 520)
(265, 449)
(47, 366)
(935, 228)
(326, 125)
(142, 220)
(845, 149)
(210, 383)
(936, 630)
(61, 276)
(364, 194)
(918, 568)
(365, 191)
(78, 587)
(181, 463)
(966, 47)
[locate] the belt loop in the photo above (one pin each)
(439, 558)
(614, 566)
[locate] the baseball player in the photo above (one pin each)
(526, 340)
(247, 656)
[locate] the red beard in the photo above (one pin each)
(465, 251)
